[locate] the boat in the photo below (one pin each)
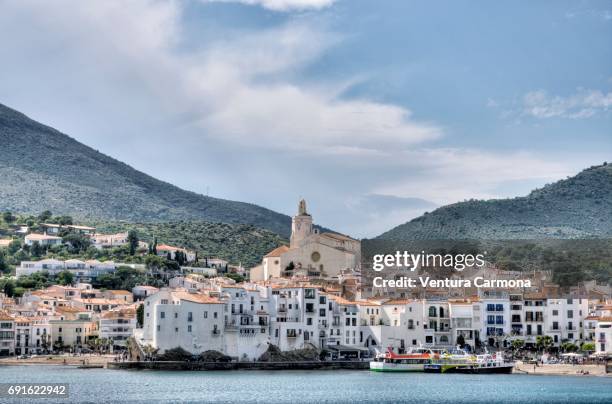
(412, 361)
(459, 361)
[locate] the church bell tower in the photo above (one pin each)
(301, 225)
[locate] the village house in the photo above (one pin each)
(42, 240)
(117, 326)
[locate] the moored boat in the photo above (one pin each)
(462, 362)
(412, 361)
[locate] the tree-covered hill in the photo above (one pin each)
(576, 207)
(43, 169)
(237, 243)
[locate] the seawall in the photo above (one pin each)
(179, 365)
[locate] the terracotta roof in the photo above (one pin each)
(343, 301)
(277, 252)
(338, 236)
(120, 292)
(35, 236)
(396, 302)
(196, 298)
(4, 316)
(127, 312)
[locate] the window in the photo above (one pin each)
(490, 307)
(432, 311)
(499, 319)
(158, 328)
(309, 293)
(321, 312)
(205, 314)
(322, 299)
(555, 325)
(189, 328)
(215, 314)
(190, 316)
(555, 312)
(570, 314)
(429, 339)
(499, 307)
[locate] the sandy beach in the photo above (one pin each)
(67, 360)
(561, 369)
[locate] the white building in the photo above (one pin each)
(83, 271)
(177, 318)
(42, 239)
(32, 335)
(118, 326)
(564, 320)
(603, 336)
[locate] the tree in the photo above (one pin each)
(65, 278)
(37, 250)
(8, 217)
(44, 216)
(587, 347)
(154, 249)
(544, 342)
(518, 344)
(133, 241)
(3, 265)
(64, 220)
(78, 242)
(569, 347)
(9, 288)
(140, 316)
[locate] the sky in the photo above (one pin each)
(373, 111)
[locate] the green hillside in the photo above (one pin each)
(43, 169)
(576, 207)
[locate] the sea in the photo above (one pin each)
(319, 386)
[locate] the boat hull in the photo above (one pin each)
(396, 367)
(467, 368)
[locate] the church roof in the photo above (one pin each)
(338, 236)
(277, 252)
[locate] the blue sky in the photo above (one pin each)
(374, 111)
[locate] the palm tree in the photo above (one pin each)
(544, 342)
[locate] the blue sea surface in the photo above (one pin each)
(326, 386)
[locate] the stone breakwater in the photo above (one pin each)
(179, 365)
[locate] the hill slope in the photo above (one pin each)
(580, 206)
(41, 168)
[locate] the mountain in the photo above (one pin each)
(44, 169)
(576, 207)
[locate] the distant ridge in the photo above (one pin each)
(576, 207)
(42, 168)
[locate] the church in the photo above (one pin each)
(310, 253)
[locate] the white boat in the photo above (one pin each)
(412, 361)
(459, 361)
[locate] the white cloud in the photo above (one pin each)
(583, 104)
(233, 113)
(283, 5)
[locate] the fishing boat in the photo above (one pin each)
(459, 361)
(412, 361)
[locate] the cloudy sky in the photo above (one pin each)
(374, 111)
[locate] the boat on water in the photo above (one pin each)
(412, 361)
(459, 361)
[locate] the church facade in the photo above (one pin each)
(310, 252)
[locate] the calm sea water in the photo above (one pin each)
(111, 386)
